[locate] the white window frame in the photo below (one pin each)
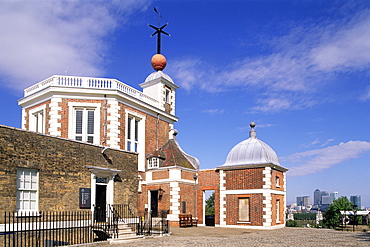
(27, 187)
(277, 211)
(73, 107)
(153, 162)
(277, 181)
(140, 142)
(34, 119)
(167, 95)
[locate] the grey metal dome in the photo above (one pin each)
(251, 152)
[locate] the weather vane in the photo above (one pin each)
(158, 31)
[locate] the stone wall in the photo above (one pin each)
(62, 169)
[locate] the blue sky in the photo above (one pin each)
(299, 69)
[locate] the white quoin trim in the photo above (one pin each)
(113, 128)
(174, 201)
(55, 116)
(222, 198)
(267, 179)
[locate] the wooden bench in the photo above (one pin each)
(186, 220)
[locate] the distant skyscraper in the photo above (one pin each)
(325, 200)
(306, 201)
(323, 194)
(317, 197)
(356, 200)
(333, 196)
(299, 201)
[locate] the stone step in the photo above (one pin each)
(122, 239)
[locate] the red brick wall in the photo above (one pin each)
(281, 209)
(256, 212)
(187, 195)
(160, 175)
(187, 175)
(251, 178)
(208, 180)
(163, 201)
(274, 174)
(150, 130)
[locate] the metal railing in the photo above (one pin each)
(46, 228)
(154, 225)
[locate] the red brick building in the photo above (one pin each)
(249, 188)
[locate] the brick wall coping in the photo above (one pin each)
(65, 139)
(208, 170)
(239, 167)
(171, 168)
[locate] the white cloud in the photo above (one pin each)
(366, 95)
(347, 48)
(300, 63)
(41, 38)
(315, 161)
(214, 111)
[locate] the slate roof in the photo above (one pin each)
(175, 156)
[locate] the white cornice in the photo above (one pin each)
(95, 94)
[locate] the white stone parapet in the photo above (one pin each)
(92, 83)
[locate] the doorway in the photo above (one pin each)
(154, 202)
(100, 202)
(209, 207)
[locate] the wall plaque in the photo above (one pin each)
(85, 198)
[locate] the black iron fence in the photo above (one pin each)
(45, 228)
(75, 227)
(154, 225)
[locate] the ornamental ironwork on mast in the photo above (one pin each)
(159, 31)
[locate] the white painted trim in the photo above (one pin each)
(113, 128)
(174, 201)
(222, 198)
(253, 227)
(252, 191)
(55, 116)
(32, 121)
(102, 172)
(161, 181)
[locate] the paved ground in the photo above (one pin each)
(215, 236)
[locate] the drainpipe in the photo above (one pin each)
(195, 194)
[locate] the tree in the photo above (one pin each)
(332, 217)
(210, 204)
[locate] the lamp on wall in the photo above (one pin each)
(160, 193)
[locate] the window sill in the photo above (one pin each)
(243, 222)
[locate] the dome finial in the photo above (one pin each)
(252, 132)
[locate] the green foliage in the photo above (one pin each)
(333, 217)
(210, 205)
(291, 223)
(304, 216)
